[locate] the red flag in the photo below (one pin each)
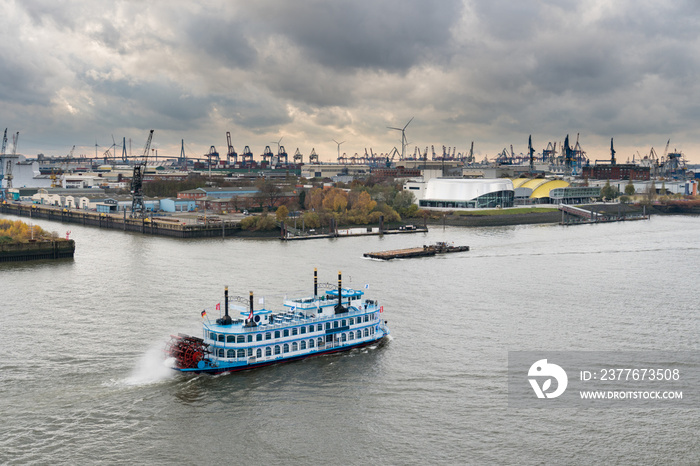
(381, 309)
(218, 306)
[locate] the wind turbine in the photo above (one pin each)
(404, 142)
(339, 143)
(278, 143)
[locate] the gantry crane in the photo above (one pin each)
(138, 208)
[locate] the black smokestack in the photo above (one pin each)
(226, 320)
(251, 301)
(315, 282)
(339, 307)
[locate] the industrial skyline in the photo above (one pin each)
(314, 73)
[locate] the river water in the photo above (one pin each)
(82, 381)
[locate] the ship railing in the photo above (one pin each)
(304, 320)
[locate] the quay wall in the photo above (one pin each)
(153, 226)
(37, 250)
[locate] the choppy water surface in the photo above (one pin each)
(82, 381)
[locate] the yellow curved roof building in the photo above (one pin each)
(540, 186)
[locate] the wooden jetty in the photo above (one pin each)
(431, 250)
(572, 215)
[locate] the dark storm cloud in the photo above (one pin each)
(222, 38)
(389, 35)
(489, 70)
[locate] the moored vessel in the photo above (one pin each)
(338, 320)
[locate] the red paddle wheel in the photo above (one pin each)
(188, 351)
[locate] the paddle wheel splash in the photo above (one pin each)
(189, 352)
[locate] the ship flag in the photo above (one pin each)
(366, 286)
(204, 314)
(381, 309)
(218, 306)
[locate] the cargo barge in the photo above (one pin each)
(440, 247)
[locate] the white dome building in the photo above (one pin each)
(462, 193)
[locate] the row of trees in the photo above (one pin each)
(356, 205)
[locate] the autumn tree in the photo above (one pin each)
(282, 213)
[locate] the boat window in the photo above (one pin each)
(351, 336)
(221, 337)
(343, 337)
(277, 333)
(277, 349)
(351, 321)
(250, 351)
(319, 327)
(344, 323)
(285, 348)
(212, 335)
(258, 337)
(302, 330)
(335, 324)
(302, 344)
(221, 352)
(359, 334)
(241, 353)
(294, 346)
(258, 353)
(268, 351)
(268, 336)
(320, 341)
(230, 338)
(231, 353)
(366, 332)
(241, 338)
(311, 343)
(286, 332)
(294, 331)
(250, 338)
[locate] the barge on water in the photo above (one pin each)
(339, 320)
(440, 247)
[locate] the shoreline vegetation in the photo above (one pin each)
(18, 231)
(21, 242)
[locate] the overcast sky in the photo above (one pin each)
(311, 71)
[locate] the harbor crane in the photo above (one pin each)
(138, 208)
(2, 165)
(313, 157)
(247, 156)
(231, 152)
(298, 157)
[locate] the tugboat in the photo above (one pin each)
(338, 320)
